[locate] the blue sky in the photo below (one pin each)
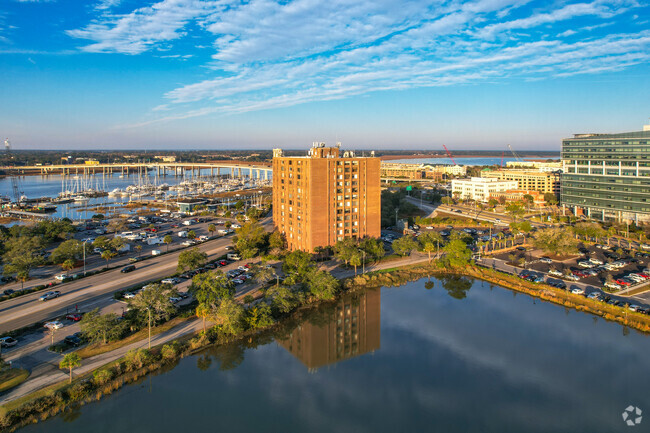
(225, 74)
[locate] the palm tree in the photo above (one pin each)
(108, 255)
(70, 361)
(138, 248)
(211, 229)
(68, 265)
(168, 240)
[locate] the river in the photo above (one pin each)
(460, 356)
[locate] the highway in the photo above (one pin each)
(96, 291)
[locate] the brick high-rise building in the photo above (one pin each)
(325, 196)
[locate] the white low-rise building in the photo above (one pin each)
(480, 188)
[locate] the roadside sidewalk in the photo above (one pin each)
(90, 364)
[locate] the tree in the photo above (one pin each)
(168, 240)
(555, 241)
(71, 249)
(322, 285)
(259, 316)
(373, 247)
(70, 361)
(68, 265)
(430, 242)
(283, 298)
(344, 249)
(356, 259)
(101, 328)
(101, 242)
(296, 265)
(154, 302)
(108, 255)
(191, 259)
(230, 315)
(211, 229)
(191, 234)
(456, 254)
(21, 255)
(117, 243)
(404, 245)
(116, 225)
(262, 273)
(515, 210)
(250, 239)
(210, 288)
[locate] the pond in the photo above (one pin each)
(455, 355)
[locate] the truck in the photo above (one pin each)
(182, 234)
(155, 241)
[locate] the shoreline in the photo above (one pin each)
(52, 400)
(443, 156)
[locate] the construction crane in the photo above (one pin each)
(517, 157)
(449, 155)
(14, 179)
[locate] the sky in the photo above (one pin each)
(380, 74)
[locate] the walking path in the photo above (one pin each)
(53, 376)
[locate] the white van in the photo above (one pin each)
(182, 234)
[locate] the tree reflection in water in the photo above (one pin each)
(456, 286)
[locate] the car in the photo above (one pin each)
(578, 291)
(613, 286)
(635, 278)
(238, 281)
(585, 264)
(129, 268)
(50, 295)
(170, 281)
(622, 282)
(572, 277)
(634, 307)
(75, 339)
(53, 325)
(8, 342)
(8, 292)
(62, 277)
(555, 273)
(222, 262)
(594, 295)
(538, 280)
(74, 317)
(175, 299)
(521, 248)
(243, 268)
(546, 260)
(187, 243)
(128, 295)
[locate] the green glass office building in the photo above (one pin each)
(607, 176)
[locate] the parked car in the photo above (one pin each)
(555, 272)
(8, 341)
(170, 281)
(8, 292)
(50, 295)
(129, 268)
(578, 291)
(613, 286)
(53, 325)
(546, 260)
(62, 277)
(74, 340)
(128, 295)
(75, 317)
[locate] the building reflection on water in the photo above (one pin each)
(351, 330)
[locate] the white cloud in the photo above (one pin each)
(270, 54)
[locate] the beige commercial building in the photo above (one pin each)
(325, 197)
(544, 182)
(479, 188)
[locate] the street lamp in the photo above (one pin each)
(84, 252)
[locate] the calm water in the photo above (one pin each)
(465, 358)
(460, 160)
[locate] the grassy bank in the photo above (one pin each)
(12, 377)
